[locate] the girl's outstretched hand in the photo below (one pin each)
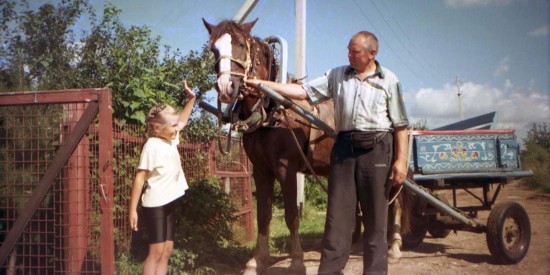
(187, 90)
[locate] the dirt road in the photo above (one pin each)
(463, 252)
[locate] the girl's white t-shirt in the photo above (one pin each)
(166, 180)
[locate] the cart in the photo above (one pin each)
(459, 160)
(482, 160)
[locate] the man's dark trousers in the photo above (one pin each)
(357, 173)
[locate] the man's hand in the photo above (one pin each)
(252, 85)
(398, 172)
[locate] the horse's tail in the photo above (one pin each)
(406, 200)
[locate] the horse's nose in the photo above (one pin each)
(224, 86)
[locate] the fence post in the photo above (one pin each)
(106, 181)
(75, 190)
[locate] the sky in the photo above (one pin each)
(496, 51)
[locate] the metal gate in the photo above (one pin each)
(56, 182)
(66, 172)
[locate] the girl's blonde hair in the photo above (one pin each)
(159, 117)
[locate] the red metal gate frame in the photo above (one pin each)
(99, 102)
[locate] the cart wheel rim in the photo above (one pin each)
(511, 234)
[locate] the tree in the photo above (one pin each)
(536, 157)
(41, 53)
(39, 45)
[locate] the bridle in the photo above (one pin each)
(245, 64)
(258, 115)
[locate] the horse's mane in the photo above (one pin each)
(231, 27)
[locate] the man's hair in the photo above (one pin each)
(371, 42)
(160, 116)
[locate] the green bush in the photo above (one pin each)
(536, 157)
(538, 161)
(204, 229)
(314, 194)
(203, 233)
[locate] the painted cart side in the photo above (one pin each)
(465, 151)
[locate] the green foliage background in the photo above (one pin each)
(536, 157)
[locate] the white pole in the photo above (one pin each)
(245, 10)
(300, 69)
(300, 37)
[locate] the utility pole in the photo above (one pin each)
(245, 10)
(459, 93)
(300, 70)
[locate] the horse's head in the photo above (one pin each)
(230, 43)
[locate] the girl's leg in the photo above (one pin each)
(154, 258)
(169, 226)
(162, 267)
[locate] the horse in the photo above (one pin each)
(278, 143)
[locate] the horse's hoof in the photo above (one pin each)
(394, 254)
(253, 267)
(393, 260)
(297, 267)
(297, 270)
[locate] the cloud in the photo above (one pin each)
(508, 84)
(471, 3)
(517, 108)
(503, 66)
(540, 31)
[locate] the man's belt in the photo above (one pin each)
(362, 139)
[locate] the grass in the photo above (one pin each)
(311, 230)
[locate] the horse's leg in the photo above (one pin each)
(358, 222)
(292, 218)
(394, 252)
(264, 199)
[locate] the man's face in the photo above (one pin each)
(358, 56)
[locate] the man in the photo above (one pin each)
(370, 148)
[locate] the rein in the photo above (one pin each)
(308, 164)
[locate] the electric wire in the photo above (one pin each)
(388, 44)
(432, 68)
(418, 61)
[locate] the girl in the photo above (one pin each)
(160, 167)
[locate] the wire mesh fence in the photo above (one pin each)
(81, 222)
(63, 233)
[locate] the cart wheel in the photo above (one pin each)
(436, 227)
(508, 232)
(419, 225)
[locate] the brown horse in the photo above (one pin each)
(275, 144)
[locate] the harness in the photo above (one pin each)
(259, 117)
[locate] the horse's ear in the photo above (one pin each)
(208, 26)
(248, 26)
